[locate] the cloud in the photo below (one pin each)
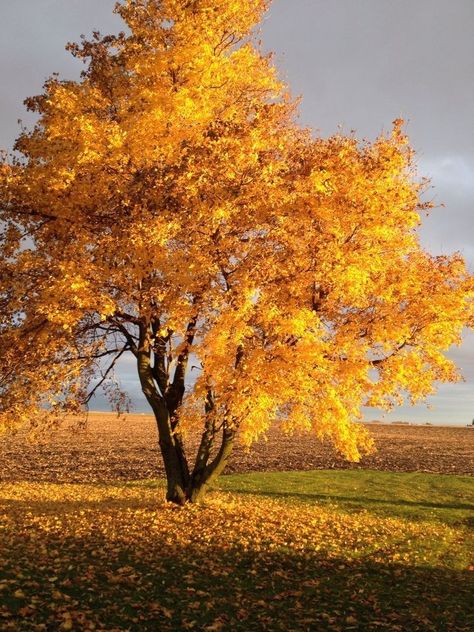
(450, 173)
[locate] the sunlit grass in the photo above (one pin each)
(416, 495)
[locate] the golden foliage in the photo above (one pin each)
(168, 204)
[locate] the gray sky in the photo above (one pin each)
(358, 64)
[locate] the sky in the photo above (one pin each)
(358, 65)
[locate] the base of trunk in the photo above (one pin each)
(176, 494)
(184, 488)
(179, 496)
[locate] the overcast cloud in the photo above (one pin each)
(358, 64)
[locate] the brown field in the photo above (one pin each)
(126, 449)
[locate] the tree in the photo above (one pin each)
(169, 206)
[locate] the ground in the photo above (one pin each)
(86, 545)
(109, 449)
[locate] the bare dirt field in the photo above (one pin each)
(110, 449)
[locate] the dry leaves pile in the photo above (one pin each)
(96, 557)
(126, 449)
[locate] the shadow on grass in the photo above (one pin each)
(354, 500)
(451, 513)
(157, 585)
(66, 506)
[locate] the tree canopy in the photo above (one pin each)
(170, 206)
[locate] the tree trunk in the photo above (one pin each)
(182, 486)
(204, 474)
(176, 467)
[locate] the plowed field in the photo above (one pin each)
(109, 449)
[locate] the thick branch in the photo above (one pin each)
(160, 370)
(207, 438)
(175, 391)
(201, 480)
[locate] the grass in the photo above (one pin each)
(416, 496)
(295, 551)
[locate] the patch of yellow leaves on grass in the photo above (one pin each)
(138, 513)
(86, 556)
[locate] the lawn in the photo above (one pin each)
(415, 495)
(339, 550)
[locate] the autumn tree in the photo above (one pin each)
(168, 205)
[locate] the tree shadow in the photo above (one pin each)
(338, 497)
(155, 585)
(68, 506)
(395, 506)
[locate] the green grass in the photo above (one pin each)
(415, 496)
(288, 551)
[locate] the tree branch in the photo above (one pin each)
(128, 336)
(380, 361)
(104, 376)
(159, 369)
(175, 391)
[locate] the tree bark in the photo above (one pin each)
(176, 468)
(165, 399)
(204, 474)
